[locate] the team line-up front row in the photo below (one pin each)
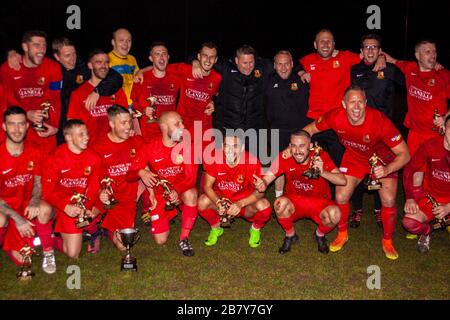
(75, 181)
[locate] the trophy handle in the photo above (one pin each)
(136, 239)
(116, 233)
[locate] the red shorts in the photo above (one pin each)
(160, 217)
(13, 240)
(416, 139)
(355, 168)
(309, 207)
(426, 207)
(122, 216)
(66, 224)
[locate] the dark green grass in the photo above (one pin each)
(232, 270)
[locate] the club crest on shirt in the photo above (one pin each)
(79, 79)
(87, 170)
(366, 138)
(257, 73)
(30, 166)
(431, 82)
(41, 81)
(240, 178)
(336, 64)
(172, 87)
(179, 159)
(294, 86)
(380, 75)
(132, 152)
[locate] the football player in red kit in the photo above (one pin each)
(21, 191)
(177, 174)
(118, 150)
(428, 174)
(364, 131)
(232, 177)
(37, 80)
(96, 119)
(71, 185)
(305, 197)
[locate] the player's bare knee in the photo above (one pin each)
(331, 215)
(204, 202)
(45, 212)
(342, 197)
(73, 253)
(388, 202)
(189, 197)
(262, 204)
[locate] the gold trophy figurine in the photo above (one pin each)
(436, 116)
(311, 172)
(25, 273)
(106, 185)
(45, 108)
(167, 189)
(79, 199)
(225, 219)
(437, 223)
(135, 114)
(373, 183)
(152, 105)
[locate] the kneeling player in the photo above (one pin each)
(304, 197)
(234, 180)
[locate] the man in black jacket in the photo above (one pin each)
(75, 72)
(380, 92)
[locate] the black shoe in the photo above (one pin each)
(322, 244)
(377, 214)
(186, 248)
(287, 244)
(355, 219)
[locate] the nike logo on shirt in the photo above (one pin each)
(6, 171)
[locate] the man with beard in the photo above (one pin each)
(365, 132)
(428, 174)
(118, 150)
(169, 161)
(38, 80)
(96, 119)
(21, 191)
(305, 197)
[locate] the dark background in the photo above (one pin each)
(268, 26)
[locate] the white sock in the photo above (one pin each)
(278, 193)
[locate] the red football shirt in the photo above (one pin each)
(235, 183)
(296, 183)
(2, 110)
(426, 91)
(376, 134)
(116, 161)
(165, 90)
(195, 95)
(29, 88)
(17, 175)
(329, 79)
(96, 120)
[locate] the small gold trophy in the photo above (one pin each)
(225, 219)
(135, 114)
(79, 199)
(373, 183)
(167, 189)
(106, 185)
(436, 116)
(25, 273)
(152, 105)
(45, 108)
(437, 223)
(311, 172)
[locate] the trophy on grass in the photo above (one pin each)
(79, 199)
(128, 238)
(45, 108)
(372, 182)
(311, 172)
(107, 186)
(436, 116)
(167, 189)
(25, 273)
(225, 219)
(151, 118)
(437, 223)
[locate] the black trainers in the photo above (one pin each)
(355, 219)
(287, 244)
(322, 244)
(186, 248)
(423, 245)
(377, 214)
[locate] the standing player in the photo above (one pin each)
(96, 119)
(234, 180)
(21, 191)
(433, 158)
(38, 80)
(72, 171)
(168, 161)
(305, 198)
(365, 131)
(118, 151)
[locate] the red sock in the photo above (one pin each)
(2, 235)
(91, 228)
(210, 216)
(345, 213)
(388, 217)
(261, 217)
(44, 231)
(188, 217)
(287, 225)
(416, 227)
(146, 203)
(58, 243)
(324, 229)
